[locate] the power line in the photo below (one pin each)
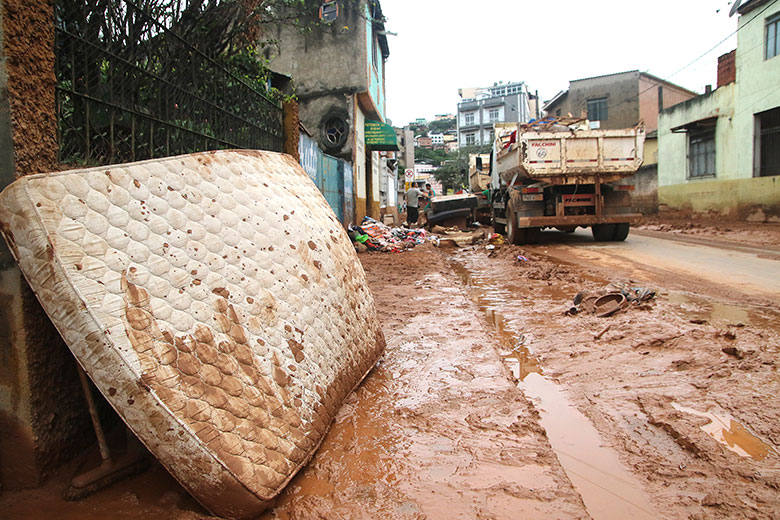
(666, 80)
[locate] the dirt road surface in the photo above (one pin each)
(492, 403)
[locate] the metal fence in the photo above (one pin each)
(129, 88)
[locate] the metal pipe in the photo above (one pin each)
(105, 454)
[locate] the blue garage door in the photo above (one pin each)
(332, 171)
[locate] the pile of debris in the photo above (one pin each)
(555, 124)
(372, 235)
(613, 299)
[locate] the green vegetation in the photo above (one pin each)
(453, 167)
(441, 126)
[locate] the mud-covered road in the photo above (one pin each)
(492, 403)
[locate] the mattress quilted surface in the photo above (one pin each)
(215, 301)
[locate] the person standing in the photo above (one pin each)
(430, 193)
(412, 201)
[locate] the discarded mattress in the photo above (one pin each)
(215, 301)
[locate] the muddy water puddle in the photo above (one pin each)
(607, 488)
(733, 435)
(724, 314)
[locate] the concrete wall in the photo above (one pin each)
(735, 190)
(621, 91)
(757, 81)
(43, 419)
(644, 198)
(631, 97)
(738, 198)
(673, 147)
(359, 162)
(327, 64)
(375, 66)
(649, 105)
(650, 152)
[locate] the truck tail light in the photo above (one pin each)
(532, 190)
(625, 187)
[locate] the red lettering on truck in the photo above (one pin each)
(548, 143)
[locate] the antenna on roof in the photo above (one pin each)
(734, 7)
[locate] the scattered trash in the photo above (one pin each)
(496, 239)
(441, 230)
(634, 295)
(609, 301)
(376, 236)
(522, 258)
(608, 304)
(733, 351)
(446, 243)
(603, 331)
(490, 247)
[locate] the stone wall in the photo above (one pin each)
(43, 420)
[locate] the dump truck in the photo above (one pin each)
(479, 185)
(560, 173)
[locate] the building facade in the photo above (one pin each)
(619, 100)
(720, 152)
(338, 69)
(480, 108)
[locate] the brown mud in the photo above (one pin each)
(437, 430)
(491, 403)
(714, 227)
(652, 377)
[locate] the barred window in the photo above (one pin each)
(701, 154)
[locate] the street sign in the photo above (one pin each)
(409, 174)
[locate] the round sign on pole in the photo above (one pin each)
(408, 174)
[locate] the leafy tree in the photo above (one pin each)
(442, 125)
(454, 170)
(453, 173)
(436, 157)
(418, 129)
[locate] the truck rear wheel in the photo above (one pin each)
(514, 235)
(603, 232)
(621, 231)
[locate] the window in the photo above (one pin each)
(493, 115)
(701, 154)
(558, 112)
(469, 119)
(773, 36)
(471, 139)
(597, 109)
(768, 142)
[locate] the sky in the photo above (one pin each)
(444, 45)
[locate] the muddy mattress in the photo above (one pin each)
(214, 300)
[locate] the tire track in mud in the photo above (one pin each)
(438, 430)
(649, 380)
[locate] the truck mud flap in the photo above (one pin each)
(214, 300)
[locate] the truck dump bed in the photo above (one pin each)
(565, 153)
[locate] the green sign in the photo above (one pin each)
(380, 137)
